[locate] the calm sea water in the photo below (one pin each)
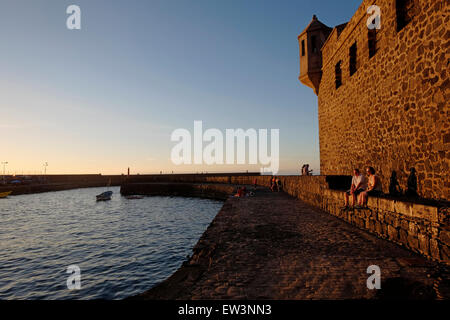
(123, 247)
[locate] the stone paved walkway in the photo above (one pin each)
(273, 246)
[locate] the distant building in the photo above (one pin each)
(383, 94)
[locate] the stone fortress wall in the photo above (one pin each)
(392, 112)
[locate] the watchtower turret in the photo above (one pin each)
(311, 41)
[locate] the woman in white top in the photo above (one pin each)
(374, 187)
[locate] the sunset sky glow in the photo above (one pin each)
(108, 96)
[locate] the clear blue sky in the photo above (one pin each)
(109, 95)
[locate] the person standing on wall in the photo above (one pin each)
(272, 184)
(307, 171)
(279, 185)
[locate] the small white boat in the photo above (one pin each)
(105, 196)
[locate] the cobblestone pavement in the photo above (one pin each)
(273, 246)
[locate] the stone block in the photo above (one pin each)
(413, 242)
(425, 212)
(361, 213)
(378, 227)
(348, 215)
(337, 195)
(403, 236)
(433, 229)
(434, 249)
(370, 225)
(372, 202)
(424, 245)
(392, 233)
(386, 205)
(444, 236)
(404, 224)
(445, 253)
(396, 221)
(404, 208)
(360, 222)
(389, 218)
(384, 228)
(413, 229)
(327, 193)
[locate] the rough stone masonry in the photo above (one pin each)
(383, 94)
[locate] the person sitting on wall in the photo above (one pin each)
(374, 188)
(240, 193)
(359, 184)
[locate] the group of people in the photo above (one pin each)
(305, 170)
(242, 192)
(275, 184)
(362, 187)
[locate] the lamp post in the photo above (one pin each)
(4, 166)
(45, 171)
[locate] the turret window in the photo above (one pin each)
(303, 48)
(338, 74)
(313, 44)
(372, 42)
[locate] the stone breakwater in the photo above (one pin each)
(274, 246)
(421, 226)
(51, 183)
(50, 187)
(211, 191)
